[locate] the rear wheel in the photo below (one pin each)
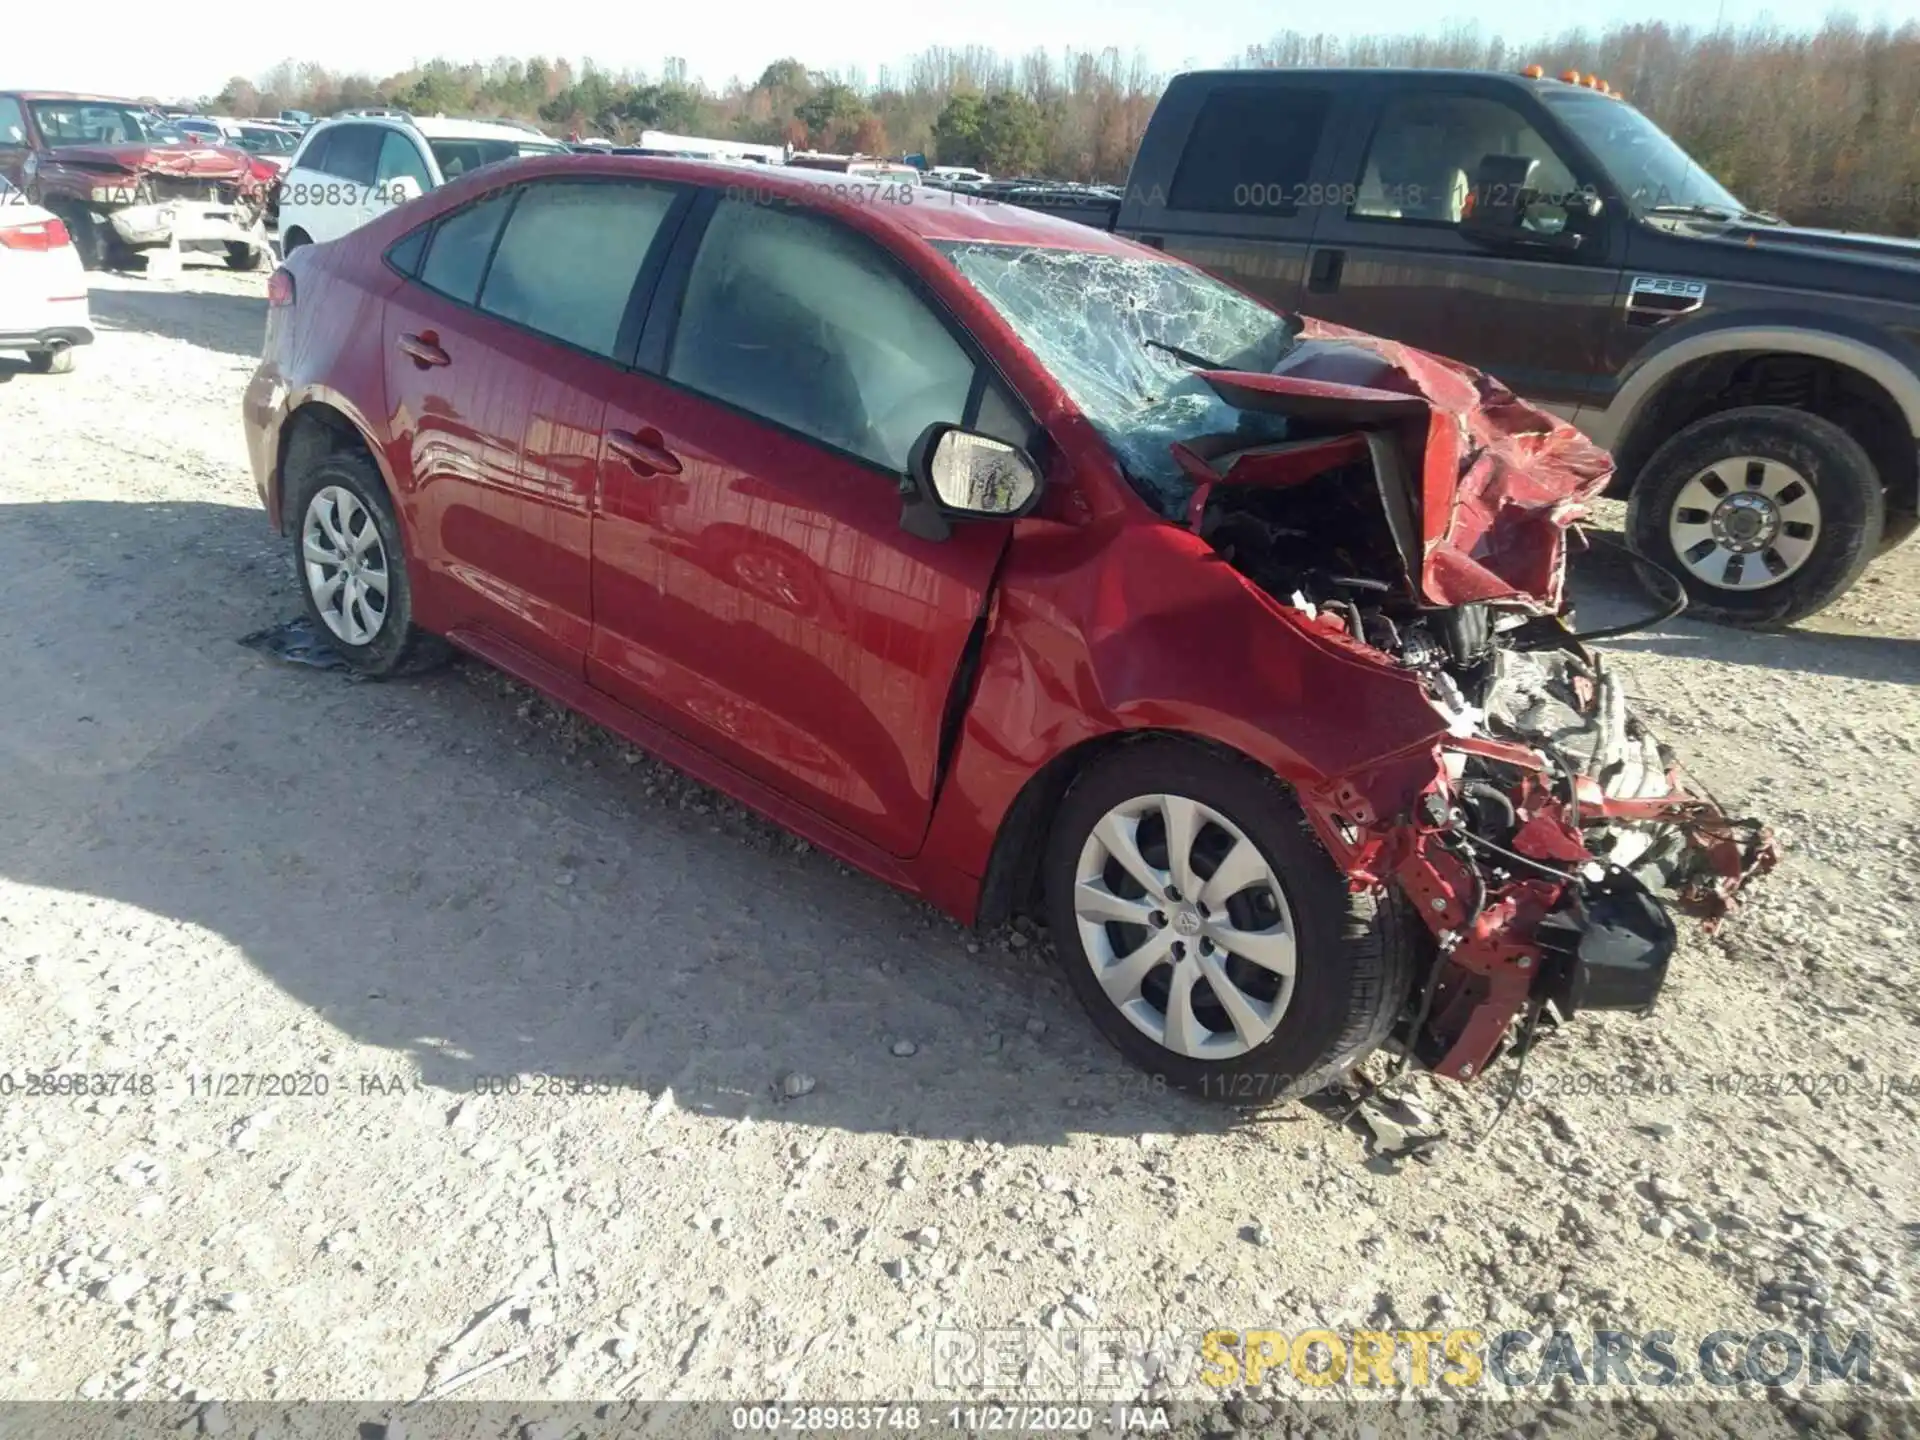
(1767, 514)
(296, 237)
(244, 257)
(348, 551)
(57, 361)
(1206, 931)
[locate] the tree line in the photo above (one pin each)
(1820, 126)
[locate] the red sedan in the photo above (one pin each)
(1023, 567)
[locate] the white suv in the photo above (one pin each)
(350, 169)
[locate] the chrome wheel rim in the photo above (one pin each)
(1186, 926)
(1745, 523)
(345, 565)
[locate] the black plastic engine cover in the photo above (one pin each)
(1608, 946)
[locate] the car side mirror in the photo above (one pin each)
(1504, 199)
(402, 188)
(955, 474)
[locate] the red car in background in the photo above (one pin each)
(1021, 566)
(122, 181)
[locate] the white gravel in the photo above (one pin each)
(212, 865)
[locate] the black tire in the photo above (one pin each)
(398, 646)
(1354, 958)
(87, 239)
(58, 361)
(244, 257)
(295, 238)
(1852, 509)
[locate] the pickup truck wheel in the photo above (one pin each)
(57, 361)
(348, 552)
(295, 238)
(244, 257)
(1766, 514)
(86, 238)
(1206, 931)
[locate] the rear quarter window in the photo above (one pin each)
(462, 244)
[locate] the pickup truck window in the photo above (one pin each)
(1125, 337)
(13, 125)
(1427, 149)
(1639, 157)
(1251, 150)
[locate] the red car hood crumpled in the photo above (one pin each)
(213, 162)
(1498, 481)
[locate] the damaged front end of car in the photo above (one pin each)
(1417, 513)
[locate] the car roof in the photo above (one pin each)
(932, 215)
(439, 128)
(73, 95)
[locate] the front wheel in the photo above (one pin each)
(1206, 931)
(352, 565)
(244, 257)
(57, 361)
(1766, 514)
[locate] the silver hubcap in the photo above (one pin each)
(1186, 926)
(345, 564)
(1745, 523)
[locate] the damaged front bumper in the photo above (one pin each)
(187, 224)
(1536, 849)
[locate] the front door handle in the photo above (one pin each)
(1323, 274)
(425, 349)
(645, 452)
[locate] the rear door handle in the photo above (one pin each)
(425, 349)
(645, 452)
(1323, 274)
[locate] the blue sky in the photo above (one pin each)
(149, 46)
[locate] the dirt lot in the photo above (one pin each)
(213, 864)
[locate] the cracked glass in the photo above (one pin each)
(1125, 336)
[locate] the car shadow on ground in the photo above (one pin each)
(225, 324)
(437, 868)
(1606, 593)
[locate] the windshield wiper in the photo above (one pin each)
(1718, 212)
(1185, 357)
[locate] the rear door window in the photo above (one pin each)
(1251, 152)
(570, 255)
(462, 242)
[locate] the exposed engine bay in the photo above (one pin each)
(1536, 835)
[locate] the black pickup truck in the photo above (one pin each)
(1758, 384)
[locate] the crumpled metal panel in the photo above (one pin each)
(1498, 481)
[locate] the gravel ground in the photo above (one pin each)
(841, 1123)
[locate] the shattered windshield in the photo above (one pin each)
(91, 122)
(1124, 336)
